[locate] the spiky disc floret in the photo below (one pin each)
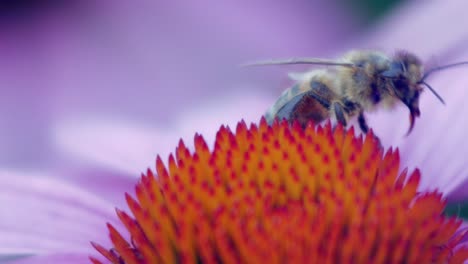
(280, 193)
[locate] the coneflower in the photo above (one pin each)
(281, 194)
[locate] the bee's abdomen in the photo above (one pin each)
(311, 105)
(305, 108)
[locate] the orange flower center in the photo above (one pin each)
(280, 193)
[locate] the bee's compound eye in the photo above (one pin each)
(394, 71)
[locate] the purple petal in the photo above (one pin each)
(122, 146)
(464, 228)
(42, 215)
(459, 193)
(69, 258)
(108, 184)
(428, 28)
(207, 118)
(131, 147)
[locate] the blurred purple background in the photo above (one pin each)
(145, 62)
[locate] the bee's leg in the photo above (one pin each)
(339, 113)
(362, 123)
(365, 128)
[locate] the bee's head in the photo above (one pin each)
(405, 74)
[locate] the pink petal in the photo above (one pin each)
(459, 194)
(428, 28)
(131, 147)
(59, 258)
(122, 146)
(108, 184)
(207, 118)
(42, 215)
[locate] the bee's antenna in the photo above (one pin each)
(429, 72)
(433, 91)
(299, 61)
(436, 69)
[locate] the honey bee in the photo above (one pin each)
(359, 82)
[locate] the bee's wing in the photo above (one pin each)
(313, 61)
(298, 76)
